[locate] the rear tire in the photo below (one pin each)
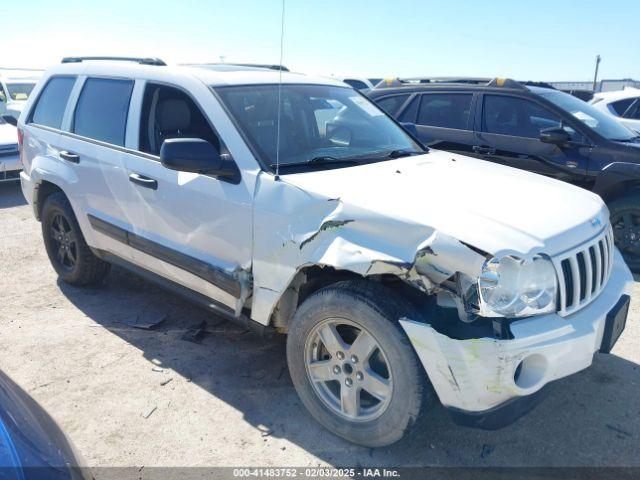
(625, 220)
(68, 252)
(375, 398)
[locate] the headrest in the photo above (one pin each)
(174, 114)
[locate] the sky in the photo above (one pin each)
(541, 40)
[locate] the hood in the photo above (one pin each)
(494, 208)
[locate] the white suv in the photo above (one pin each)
(397, 272)
(622, 104)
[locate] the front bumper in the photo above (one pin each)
(479, 375)
(10, 167)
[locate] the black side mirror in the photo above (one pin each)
(194, 155)
(555, 136)
(410, 127)
(10, 119)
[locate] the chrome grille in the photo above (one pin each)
(583, 272)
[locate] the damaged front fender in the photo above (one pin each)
(295, 229)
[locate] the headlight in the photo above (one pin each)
(511, 287)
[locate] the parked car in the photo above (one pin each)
(533, 128)
(32, 445)
(9, 157)
(622, 104)
(359, 83)
(15, 87)
(390, 267)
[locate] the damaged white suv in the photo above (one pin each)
(398, 273)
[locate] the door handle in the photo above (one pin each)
(143, 181)
(482, 150)
(69, 156)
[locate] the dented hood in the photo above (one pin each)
(494, 208)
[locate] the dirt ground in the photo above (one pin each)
(230, 401)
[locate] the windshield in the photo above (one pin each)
(598, 121)
(20, 91)
(326, 123)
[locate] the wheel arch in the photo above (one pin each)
(311, 278)
(43, 190)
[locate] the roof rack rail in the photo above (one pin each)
(267, 66)
(142, 61)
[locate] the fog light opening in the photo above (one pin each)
(530, 371)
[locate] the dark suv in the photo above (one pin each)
(532, 127)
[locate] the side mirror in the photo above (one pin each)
(3, 97)
(193, 155)
(410, 127)
(555, 136)
(10, 119)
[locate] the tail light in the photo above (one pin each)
(20, 140)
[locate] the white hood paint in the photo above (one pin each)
(412, 217)
(495, 208)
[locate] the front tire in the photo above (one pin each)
(353, 366)
(625, 220)
(68, 252)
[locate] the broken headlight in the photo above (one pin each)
(513, 287)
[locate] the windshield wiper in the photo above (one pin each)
(403, 153)
(320, 160)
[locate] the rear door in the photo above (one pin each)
(443, 120)
(509, 134)
(42, 128)
(94, 144)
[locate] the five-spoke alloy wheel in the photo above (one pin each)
(71, 257)
(353, 366)
(348, 370)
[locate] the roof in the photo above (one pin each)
(628, 92)
(213, 77)
(20, 75)
(463, 83)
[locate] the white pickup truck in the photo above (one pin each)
(292, 203)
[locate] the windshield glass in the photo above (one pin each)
(326, 123)
(20, 91)
(602, 123)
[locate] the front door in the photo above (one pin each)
(509, 134)
(193, 229)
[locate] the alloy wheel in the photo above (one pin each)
(348, 370)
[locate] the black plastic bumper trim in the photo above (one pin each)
(501, 415)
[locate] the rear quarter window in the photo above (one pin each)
(621, 106)
(101, 112)
(52, 102)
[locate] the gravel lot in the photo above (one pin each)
(230, 400)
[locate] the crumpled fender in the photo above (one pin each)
(294, 229)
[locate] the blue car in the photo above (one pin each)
(32, 446)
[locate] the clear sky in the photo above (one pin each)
(529, 40)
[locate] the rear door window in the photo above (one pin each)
(52, 102)
(101, 112)
(505, 115)
(448, 110)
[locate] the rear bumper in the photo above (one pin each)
(480, 376)
(10, 167)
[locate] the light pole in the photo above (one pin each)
(595, 77)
